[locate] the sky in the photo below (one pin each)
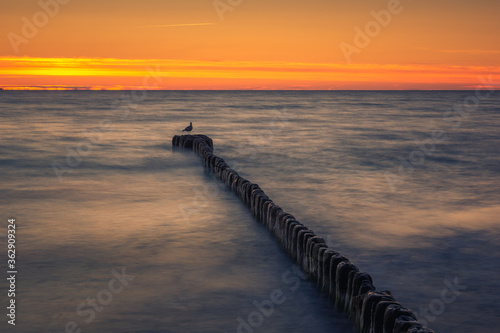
(249, 44)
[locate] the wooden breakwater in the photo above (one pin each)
(349, 289)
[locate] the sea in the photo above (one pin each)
(117, 231)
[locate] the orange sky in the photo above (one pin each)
(249, 44)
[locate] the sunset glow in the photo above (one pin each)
(313, 45)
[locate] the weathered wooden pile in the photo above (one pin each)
(349, 289)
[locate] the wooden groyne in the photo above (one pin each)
(349, 289)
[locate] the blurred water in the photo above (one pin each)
(201, 262)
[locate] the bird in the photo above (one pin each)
(189, 128)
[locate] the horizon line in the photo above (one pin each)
(130, 89)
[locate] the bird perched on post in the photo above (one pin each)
(189, 128)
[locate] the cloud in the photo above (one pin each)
(472, 51)
(175, 25)
(258, 74)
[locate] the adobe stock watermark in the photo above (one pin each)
(200, 201)
(264, 136)
(30, 28)
(437, 306)
(455, 115)
(264, 309)
(93, 305)
(372, 29)
(122, 106)
(223, 6)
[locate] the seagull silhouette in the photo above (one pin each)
(189, 128)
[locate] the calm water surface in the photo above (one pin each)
(359, 168)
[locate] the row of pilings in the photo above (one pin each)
(336, 276)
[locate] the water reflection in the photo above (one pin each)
(199, 258)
